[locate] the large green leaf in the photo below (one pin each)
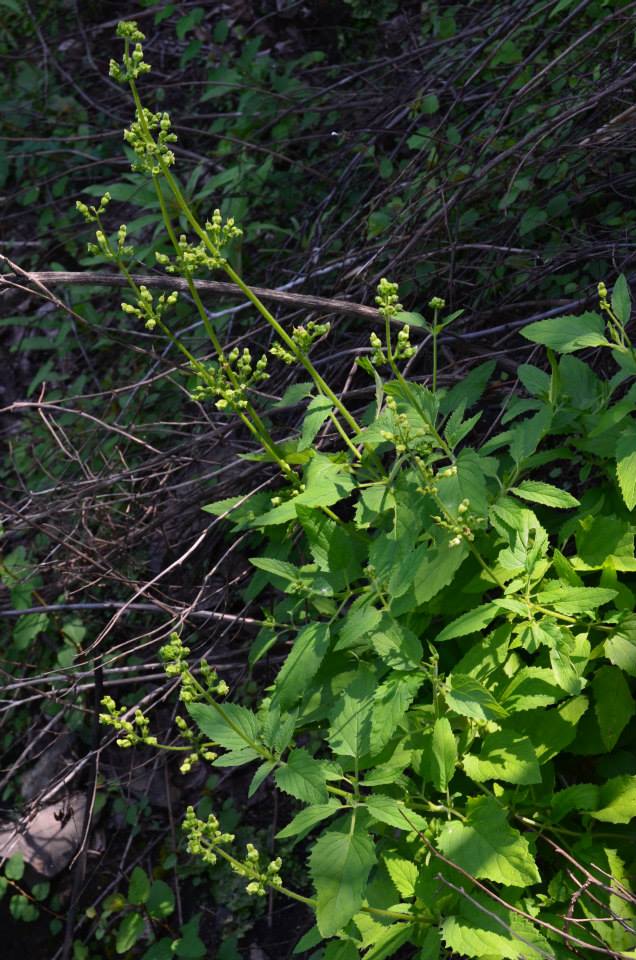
(569, 333)
(505, 755)
(302, 777)
(613, 704)
(339, 865)
(350, 731)
(545, 493)
(626, 464)
(326, 482)
(390, 704)
(620, 648)
(394, 813)
(443, 754)
(403, 873)
(230, 725)
(617, 800)
(487, 847)
(301, 665)
(484, 928)
(621, 300)
(470, 698)
(571, 600)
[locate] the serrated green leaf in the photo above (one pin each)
(392, 700)
(530, 689)
(552, 730)
(232, 726)
(138, 886)
(488, 847)
(483, 928)
(389, 941)
(613, 704)
(326, 483)
(626, 464)
(308, 818)
(569, 333)
(302, 777)
(403, 873)
(473, 621)
(580, 796)
(545, 493)
(573, 600)
(301, 665)
(470, 698)
(339, 865)
(394, 813)
(443, 754)
(620, 648)
(504, 755)
(350, 731)
(617, 800)
(396, 645)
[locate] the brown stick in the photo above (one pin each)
(216, 286)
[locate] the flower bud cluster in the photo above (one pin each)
(463, 527)
(134, 732)
(92, 214)
(387, 299)
(437, 303)
(147, 309)
(151, 153)
(204, 836)
(403, 349)
(230, 381)
(209, 256)
(304, 338)
(132, 65)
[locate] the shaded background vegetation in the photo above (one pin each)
(478, 152)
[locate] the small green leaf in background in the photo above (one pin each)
(533, 217)
(339, 866)
(317, 412)
(160, 903)
(14, 867)
(190, 946)
(444, 754)
(626, 464)
(129, 931)
(545, 493)
(621, 300)
(138, 886)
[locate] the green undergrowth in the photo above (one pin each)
(450, 583)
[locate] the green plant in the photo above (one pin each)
(455, 711)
